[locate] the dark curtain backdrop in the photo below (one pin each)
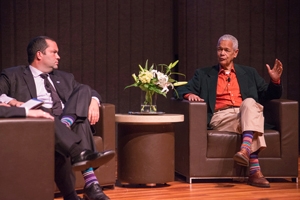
(102, 41)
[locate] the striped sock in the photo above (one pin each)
(89, 177)
(247, 141)
(254, 164)
(68, 120)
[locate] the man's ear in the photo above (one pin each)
(236, 52)
(39, 55)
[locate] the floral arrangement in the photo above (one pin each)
(153, 81)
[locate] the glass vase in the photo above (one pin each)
(148, 101)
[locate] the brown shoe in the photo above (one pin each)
(257, 179)
(242, 158)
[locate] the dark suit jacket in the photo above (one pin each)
(252, 85)
(17, 82)
(6, 112)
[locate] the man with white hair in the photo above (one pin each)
(232, 93)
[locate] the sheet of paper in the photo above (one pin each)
(32, 104)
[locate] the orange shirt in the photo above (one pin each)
(228, 90)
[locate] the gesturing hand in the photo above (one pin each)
(276, 71)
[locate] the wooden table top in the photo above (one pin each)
(161, 118)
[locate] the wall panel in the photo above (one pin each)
(125, 68)
(292, 69)
(101, 65)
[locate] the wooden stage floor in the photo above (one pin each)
(179, 190)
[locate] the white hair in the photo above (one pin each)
(231, 38)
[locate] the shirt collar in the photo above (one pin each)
(35, 72)
(221, 70)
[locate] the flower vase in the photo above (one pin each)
(148, 102)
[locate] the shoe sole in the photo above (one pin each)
(240, 160)
(258, 185)
(104, 158)
(81, 166)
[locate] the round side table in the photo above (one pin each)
(146, 148)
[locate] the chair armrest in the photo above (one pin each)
(283, 114)
(105, 128)
(190, 135)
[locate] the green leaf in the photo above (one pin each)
(171, 80)
(141, 68)
(172, 65)
(151, 68)
(146, 65)
(132, 85)
(176, 93)
(181, 74)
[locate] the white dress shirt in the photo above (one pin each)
(41, 91)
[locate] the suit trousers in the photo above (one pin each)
(248, 117)
(81, 132)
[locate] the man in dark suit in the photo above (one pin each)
(232, 93)
(74, 105)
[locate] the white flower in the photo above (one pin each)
(162, 80)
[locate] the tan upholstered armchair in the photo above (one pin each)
(207, 154)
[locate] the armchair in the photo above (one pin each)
(207, 154)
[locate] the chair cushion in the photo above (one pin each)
(222, 144)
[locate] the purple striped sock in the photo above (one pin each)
(89, 177)
(254, 163)
(247, 141)
(68, 120)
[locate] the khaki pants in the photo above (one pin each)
(249, 117)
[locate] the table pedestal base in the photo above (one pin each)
(145, 153)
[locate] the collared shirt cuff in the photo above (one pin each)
(26, 111)
(5, 99)
(97, 101)
(276, 82)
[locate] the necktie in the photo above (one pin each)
(56, 107)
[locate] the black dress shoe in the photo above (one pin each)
(88, 158)
(102, 158)
(80, 162)
(94, 192)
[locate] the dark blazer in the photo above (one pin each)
(17, 82)
(252, 85)
(6, 112)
